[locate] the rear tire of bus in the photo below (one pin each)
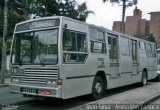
(157, 78)
(98, 89)
(144, 79)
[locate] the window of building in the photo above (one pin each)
(113, 48)
(74, 47)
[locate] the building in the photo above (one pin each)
(138, 27)
(117, 26)
(134, 25)
(155, 26)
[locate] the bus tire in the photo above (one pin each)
(144, 79)
(98, 89)
(24, 95)
(157, 78)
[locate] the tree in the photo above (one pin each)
(83, 12)
(11, 12)
(150, 37)
(68, 8)
(125, 3)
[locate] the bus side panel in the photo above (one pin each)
(79, 77)
(75, 84)
(125, 61)
(151, 68)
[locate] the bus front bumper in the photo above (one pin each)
(36, 90)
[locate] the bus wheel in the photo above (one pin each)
(98, 88)
(144, 79)
(158, 79)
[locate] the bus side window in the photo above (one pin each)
(97, 40)
(74, 47)
(113, 48)
(134, 51)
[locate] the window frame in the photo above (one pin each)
(134, 58)
(140, 45)
(71, 52)
(94, 41)
(111, 50)
(125, 51)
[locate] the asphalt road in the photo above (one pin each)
(51, 104)
(153, 105)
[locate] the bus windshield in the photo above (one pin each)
(38, 47)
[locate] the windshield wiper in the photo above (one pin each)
(40, 60)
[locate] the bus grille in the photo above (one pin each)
(39, 75)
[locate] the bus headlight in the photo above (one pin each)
(15, 80)
(51, 82)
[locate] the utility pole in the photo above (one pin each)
(3, 64)
(123, 17)
(126, 3)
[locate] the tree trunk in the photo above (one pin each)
(123, 17)
(3, 64)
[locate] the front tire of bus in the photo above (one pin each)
(144, 79)
(98, 89)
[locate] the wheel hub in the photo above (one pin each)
(98, 87)
(144, 79)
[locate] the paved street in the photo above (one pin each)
(8, 98)
(51, 104)
(153, 105)
(157, 101)
(30, 103)
(128, 100)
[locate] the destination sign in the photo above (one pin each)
(38, 24)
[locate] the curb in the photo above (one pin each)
(4, 85)
(142, 104)
(149, 100)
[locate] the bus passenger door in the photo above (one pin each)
(114, 75)
(125, 61)
(135, 64)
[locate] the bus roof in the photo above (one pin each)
(90, 25)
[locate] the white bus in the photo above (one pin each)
(158, 64)
(63, 58)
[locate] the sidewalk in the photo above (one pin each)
(7, 81)
(140, 97)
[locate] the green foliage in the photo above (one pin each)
(68, 8)
(20, 10)
(150, 37)
(129, 2)
(16, 14)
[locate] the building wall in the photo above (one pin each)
(155, 26)
(116, 26)
(147, 26)
(137, 12)
(131, 27)
(134, 25)
(142, 28)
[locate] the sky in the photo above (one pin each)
(106, 13)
